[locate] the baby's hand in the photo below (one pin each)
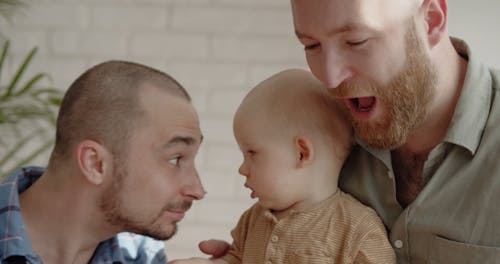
(191, 261)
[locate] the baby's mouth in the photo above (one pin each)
(252, 192)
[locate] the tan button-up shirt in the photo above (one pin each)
(456, 217)
(339, 230)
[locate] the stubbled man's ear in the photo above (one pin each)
(436, 14)
(93, 161)
(305, 151)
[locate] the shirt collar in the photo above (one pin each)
(471, 112)
(108, 252)
(473, 107)
(14, 240)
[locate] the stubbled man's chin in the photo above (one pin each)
(160, 235)
(154, 230)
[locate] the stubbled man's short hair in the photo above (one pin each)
(102, 105)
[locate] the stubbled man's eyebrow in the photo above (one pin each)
(189, 141)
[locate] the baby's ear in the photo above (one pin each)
(305, 151)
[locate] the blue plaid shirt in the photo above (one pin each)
(15, 246)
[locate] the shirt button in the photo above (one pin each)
(398, 244)
(390, 174)
(274, 238)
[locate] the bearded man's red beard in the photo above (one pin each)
(405, 99)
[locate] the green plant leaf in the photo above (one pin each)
(53, 96)
(2, 117)
(24, 105)
(7, 7)
(36, 105)
(30, 84)
(20, 143)
(56, 101)
(5, 48)
(48, 91)
(19, 73)
(31, 157)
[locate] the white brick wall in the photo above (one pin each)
(218, 49)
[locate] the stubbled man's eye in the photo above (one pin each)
(174, 160)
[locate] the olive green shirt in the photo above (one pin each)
(456, 217)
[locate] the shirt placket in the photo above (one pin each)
(399, 238)
(399, 230)
(273, 253)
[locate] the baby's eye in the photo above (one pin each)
(311, 46)
(174, 160)
(251, 152)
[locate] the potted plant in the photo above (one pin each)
(28, 113)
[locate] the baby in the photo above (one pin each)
(294, 139)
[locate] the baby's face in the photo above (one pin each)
(269, 164)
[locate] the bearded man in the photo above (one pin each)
(426, 114)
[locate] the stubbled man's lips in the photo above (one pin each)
(177, 215)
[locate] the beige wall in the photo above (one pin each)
(477, 22)
(217, 49)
